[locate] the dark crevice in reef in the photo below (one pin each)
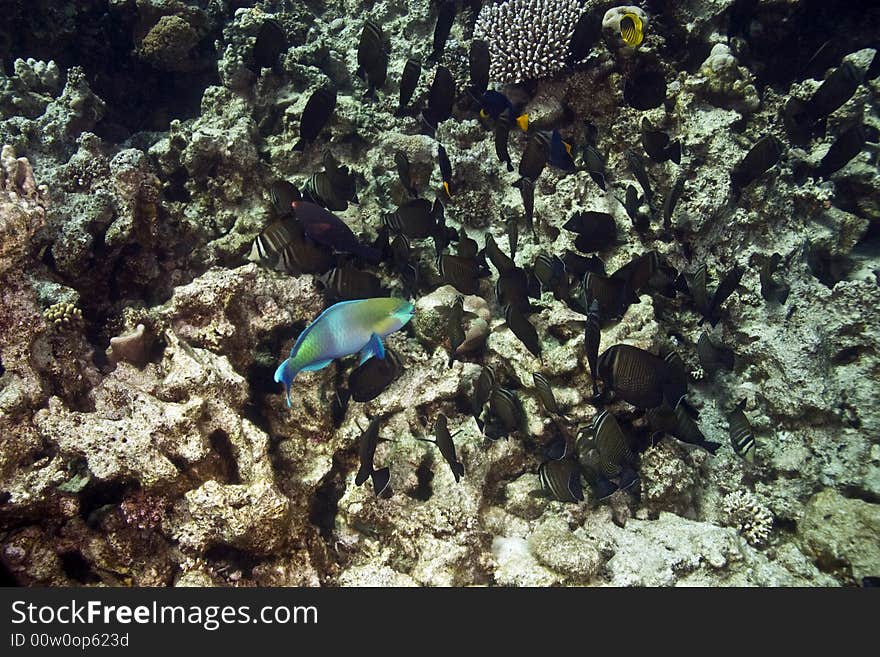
(102, 40)
(222, 446)
(98, 495)
(224, 558)
(324, 503)
(7, 577)
(855, 493)
(424, 476)
(781, 39)
(77, 568)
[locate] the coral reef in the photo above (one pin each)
(745, 513)
(143, 440)
(528, 39)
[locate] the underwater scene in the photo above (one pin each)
(439, 293)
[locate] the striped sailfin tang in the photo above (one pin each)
(741, 436)
(611, 443)
(561, 479)
(545, 392)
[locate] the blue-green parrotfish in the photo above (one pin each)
(345, 328)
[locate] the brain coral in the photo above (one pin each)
(528, 39)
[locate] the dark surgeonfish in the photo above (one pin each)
(467, 246)
(741, 436)
(592, 338)
(771, 289)
(760, 158)
(714, 356)
(368, 380)
(613, 295)
(523, 329)
(445, 169)
(283, 193)
(494, 105)
(443, 440)
(502, 262)
(316, 113)
(502, 132)
(347, 283)
(637, 167)
(441, 96)
(367, 444)
(409, 80)
(678, 422)
(631, 204)
(342, 181)
(578, 265)
(551, 274)
(512, 236)
(671, 200)
(461, 273)
(837, 88)
(616, 458)
(725, 288)
(445, 18)
(413, 219)
(326, 228)
(586, 33)
(594, 161)
(478, 61)
(658, 145)
(483, 387)
(283, 245)
(270, 44)
(372, 58)
(596, 231)
(505, 407)
(400, 252)
(455, 327)
(710, 307)
(545, 393)
(527, 193)
(404, 172)
(512, 289)
(535, 156)
(561, 480)
(849, 144)
(639, 377)
(560, 155)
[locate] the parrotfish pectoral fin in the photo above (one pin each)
(373, 348)
(523, 122)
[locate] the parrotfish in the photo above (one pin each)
(345, 328)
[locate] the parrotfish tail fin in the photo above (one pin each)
(373, 348)
(381, 479)
(523, 122)
(458, 470)
(284, 375)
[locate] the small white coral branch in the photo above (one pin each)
(753, 520)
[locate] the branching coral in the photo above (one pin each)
(528, 39)
(743, 511)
